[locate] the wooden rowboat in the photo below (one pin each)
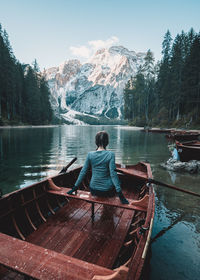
(157, 130)
(48, 234)
(183, 135)
(188, 150)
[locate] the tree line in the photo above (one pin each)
(24, 92)
(168, 92)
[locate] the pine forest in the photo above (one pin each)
(24, 93)
(167, 94)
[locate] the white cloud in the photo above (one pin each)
(92, 46)
(99, 44)
(81, 51)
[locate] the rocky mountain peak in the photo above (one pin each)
(70, 66)
(94, 88)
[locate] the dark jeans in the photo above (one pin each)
(109, 193)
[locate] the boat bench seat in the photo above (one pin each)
(139, 205)
(34, 261)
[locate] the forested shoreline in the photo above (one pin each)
(24, 93)
(167, 94)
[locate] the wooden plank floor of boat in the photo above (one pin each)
(73, 232)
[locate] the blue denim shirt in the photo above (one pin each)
(104, 176)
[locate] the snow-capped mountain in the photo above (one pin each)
(94, 88)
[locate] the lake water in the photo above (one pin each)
(31, 154)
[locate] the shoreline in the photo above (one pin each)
(153, 129)
(28, 126)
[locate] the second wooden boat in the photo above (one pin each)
(188, 150)
(157, 130)
(183, 135)
(48, 234)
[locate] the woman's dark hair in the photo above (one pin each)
(102, 139)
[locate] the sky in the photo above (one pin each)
(53, 31)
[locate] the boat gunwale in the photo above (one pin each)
(188, 145)
(144, 244)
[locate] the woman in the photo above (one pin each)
(104, 181)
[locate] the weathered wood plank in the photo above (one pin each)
(105, 235)
(75, 224)
(112, 201)
(114, 245)
(44, 264)
(55, 223)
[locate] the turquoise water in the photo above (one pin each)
(31, 154)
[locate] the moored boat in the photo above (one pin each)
(49, 234)
(157, 130)
(188, 150)
(183, 135)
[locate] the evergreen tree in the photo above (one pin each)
(176, 65)
(35, 66)
(139, 89)
(138, 94)
(19, 87)
(46, 110)
(1, 70)
(166, 47)
(128, 101)
(191, 36)
(191, 81)
(149, 75)
(8, 71)
(24, 94)
(163, 82)
(32, 98)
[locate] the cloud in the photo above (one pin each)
(99, 44)
(92, 46)
(81, 51)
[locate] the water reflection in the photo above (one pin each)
(21, 148)
(30, 154)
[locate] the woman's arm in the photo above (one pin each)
(113, 173)
(83, 172)
(115, 179)
(81, 175)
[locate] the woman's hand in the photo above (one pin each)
(74, 189)
(122, 198)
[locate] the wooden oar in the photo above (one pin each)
(127, 172)
(164, 230)
(172, 187)
(64, 169)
